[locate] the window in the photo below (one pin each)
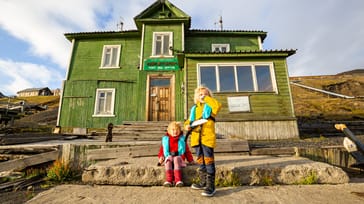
(110, 56)
(162, 41)
(237, 77)
(104, 104)
(220, 48)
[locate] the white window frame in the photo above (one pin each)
(220, 47)
(97, 102)
(170, 44)
(117, 55)
(254, 77)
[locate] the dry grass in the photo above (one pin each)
(313, 104)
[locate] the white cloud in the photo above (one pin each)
(18, 76)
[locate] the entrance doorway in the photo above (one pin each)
(161, 97)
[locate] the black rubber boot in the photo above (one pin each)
(202, 184)
(210, 186)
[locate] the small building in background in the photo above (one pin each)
(45, 91)
(56, 92)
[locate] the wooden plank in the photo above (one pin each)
(274, 151)
(132, 151)
(232, 146)
(19, 164)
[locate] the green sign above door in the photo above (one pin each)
(161, 64)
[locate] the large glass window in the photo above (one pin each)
(208, 77)
(227, 78)
(110, 56)
(264, 79)
(104, 104)
(237, 77)
(162, 41)
(245, 78)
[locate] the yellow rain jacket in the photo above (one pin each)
(207, 134)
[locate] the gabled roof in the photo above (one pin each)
(245, 53)
(200, 32)
(162, 11)
(33, 89)
(103, 34)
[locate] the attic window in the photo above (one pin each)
(220, 48)
(110, 56)
(162, 41)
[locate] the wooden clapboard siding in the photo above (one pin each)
(79, 103)
(200, 41)
(258, 130)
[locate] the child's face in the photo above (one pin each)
(202, 94)
(174, 131)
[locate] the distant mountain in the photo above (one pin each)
(351, 72)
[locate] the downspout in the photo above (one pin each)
(142, 48)
(289, 90)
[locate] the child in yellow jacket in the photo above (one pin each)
(203, 138)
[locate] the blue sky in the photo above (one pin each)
(328, 34)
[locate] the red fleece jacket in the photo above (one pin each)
(173, 147)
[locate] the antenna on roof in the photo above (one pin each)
(220, 23)
(119, 26)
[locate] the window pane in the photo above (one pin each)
(227, 78)
(264, 79)
(166, 44)
(160, 82)
(208, 77)
(158, 45)
(101, 103)
(107, 57)
(114, 57)
(108, 102)
(245, 79)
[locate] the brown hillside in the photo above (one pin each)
(312, 104)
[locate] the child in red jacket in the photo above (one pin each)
(173, 153)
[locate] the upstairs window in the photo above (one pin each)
(111, 56)
(104, 104)
(237, 77)
(220, 48)
(162, 41)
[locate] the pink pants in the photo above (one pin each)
(174, 162)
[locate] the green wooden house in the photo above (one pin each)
(149, 74)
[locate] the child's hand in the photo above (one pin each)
(161, 160)
(187, 127)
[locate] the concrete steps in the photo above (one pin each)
(138, 130)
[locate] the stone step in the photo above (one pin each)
(231, 170)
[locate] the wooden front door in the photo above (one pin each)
(160, 99)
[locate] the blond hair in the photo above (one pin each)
(197, 92)
(174, 124)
